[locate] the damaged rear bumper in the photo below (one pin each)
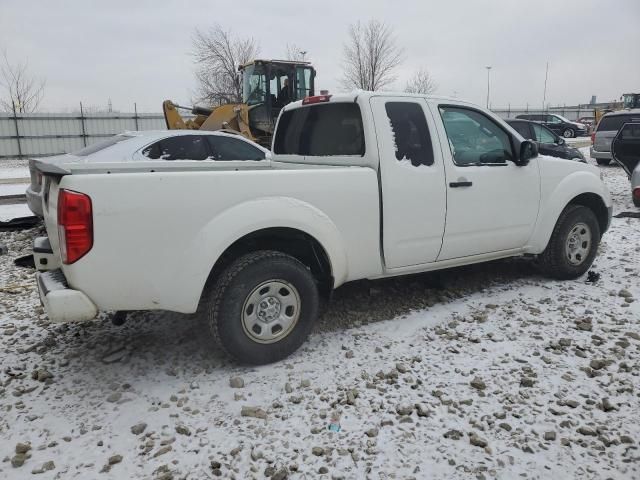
(63, 304)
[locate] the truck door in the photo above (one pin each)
(492, 204)
(412, 181)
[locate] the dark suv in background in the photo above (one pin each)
(558, 124)
(548, 142)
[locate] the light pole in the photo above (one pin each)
(488, 71)
(544, 95)
(303, 53)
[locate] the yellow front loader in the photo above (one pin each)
(627, 101)
(267, 86)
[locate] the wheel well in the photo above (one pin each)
(595, 203)
(296, 243)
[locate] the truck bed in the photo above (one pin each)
(162, 226)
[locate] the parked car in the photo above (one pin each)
(548, 142)
(558, 124)
(589, 122)
(625, 150)
(151, 145)
(360, 186)
(606, 130)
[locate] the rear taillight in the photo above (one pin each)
(636, 193)
(593, 137)
(75, 225)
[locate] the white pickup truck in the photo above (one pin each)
(364, 185)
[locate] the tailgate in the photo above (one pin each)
(51, 176)
(603, 140)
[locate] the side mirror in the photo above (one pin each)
(528, 150)
(560, 141)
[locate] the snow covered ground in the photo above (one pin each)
(13, 210)
(490, 371)
(12, 188)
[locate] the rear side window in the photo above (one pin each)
(630, 132)
(225, 148)
(615, 122)
(183, 147)
(331, 129)
(96, 147)
(411, 134)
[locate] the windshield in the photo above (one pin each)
(96, 147)
(254, 85)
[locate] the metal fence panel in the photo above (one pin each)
(569, 113)
(42, 134)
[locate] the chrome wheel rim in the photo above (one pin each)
(578, 244)
(271, 311)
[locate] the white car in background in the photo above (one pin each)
(170, 145)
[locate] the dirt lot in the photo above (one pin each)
(490, 371)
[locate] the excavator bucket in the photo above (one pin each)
(174, 120)
(232, 118)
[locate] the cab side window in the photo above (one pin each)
(411, 133)
(182, 147)
(474, 138)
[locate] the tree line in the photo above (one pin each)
(370, 59)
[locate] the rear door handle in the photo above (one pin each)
(460, 184)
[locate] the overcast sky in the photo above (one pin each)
(139, 51)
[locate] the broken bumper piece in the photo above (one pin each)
(63, 304)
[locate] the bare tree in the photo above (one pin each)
(295, 53)
(218, 53)
(21, 91)
(370, 56)
(421, 82)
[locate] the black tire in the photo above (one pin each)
(224, 301)
(603, 161)
(636, 201)
(554, 261)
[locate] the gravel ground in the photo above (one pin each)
(490, 371)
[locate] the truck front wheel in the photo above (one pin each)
(573, 244)
(262, 307)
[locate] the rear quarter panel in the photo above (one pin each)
(157, 235)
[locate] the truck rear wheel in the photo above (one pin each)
(262, 307)
(603, 161)
(573, 244)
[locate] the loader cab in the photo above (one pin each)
(269, 85)
(631, 100)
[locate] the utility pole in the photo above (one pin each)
(544, 96)
(488, 71)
